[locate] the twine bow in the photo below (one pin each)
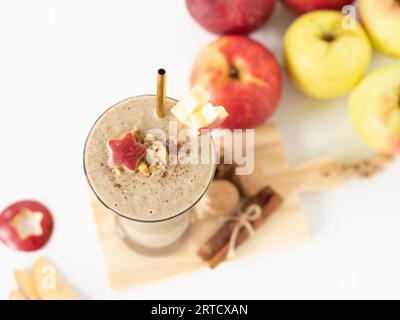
(252, 213)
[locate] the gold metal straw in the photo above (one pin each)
(161, 85)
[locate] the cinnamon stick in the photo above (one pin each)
(243, 235)
(215, 249)
(216, 242)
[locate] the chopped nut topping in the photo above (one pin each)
(157, 152)
(143, 168)
(136, 132)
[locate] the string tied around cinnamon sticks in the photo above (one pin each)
(244, 219)
(217, 247)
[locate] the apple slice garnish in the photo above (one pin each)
(17, 294)
(192, 102)
(208, 118)
(195, 111)
(126, 152)
(26, 225)
(48, 282)
(26, 284)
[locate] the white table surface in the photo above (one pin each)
(63, 62)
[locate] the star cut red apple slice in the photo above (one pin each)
(26, 225)
(126, 152)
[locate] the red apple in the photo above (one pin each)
(230, 17)
(302, 6)
(26, 225)
(241, 75)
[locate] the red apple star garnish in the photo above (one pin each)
(26, 225)
(126, 152)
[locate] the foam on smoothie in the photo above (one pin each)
(135, 195)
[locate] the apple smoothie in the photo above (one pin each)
(151, 200)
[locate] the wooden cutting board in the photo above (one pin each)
(286, 226)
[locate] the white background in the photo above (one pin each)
(63, 62)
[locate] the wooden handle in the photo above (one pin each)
(319, 174)
(312, 176)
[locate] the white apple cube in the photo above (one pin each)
(192, 102)
(209, 117)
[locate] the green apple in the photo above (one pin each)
(326, 57)
(382, 21)
(374, 109)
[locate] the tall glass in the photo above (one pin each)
(151, 212)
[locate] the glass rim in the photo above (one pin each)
(135, 219)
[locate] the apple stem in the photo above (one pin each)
(329, 37)
(234, 72)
